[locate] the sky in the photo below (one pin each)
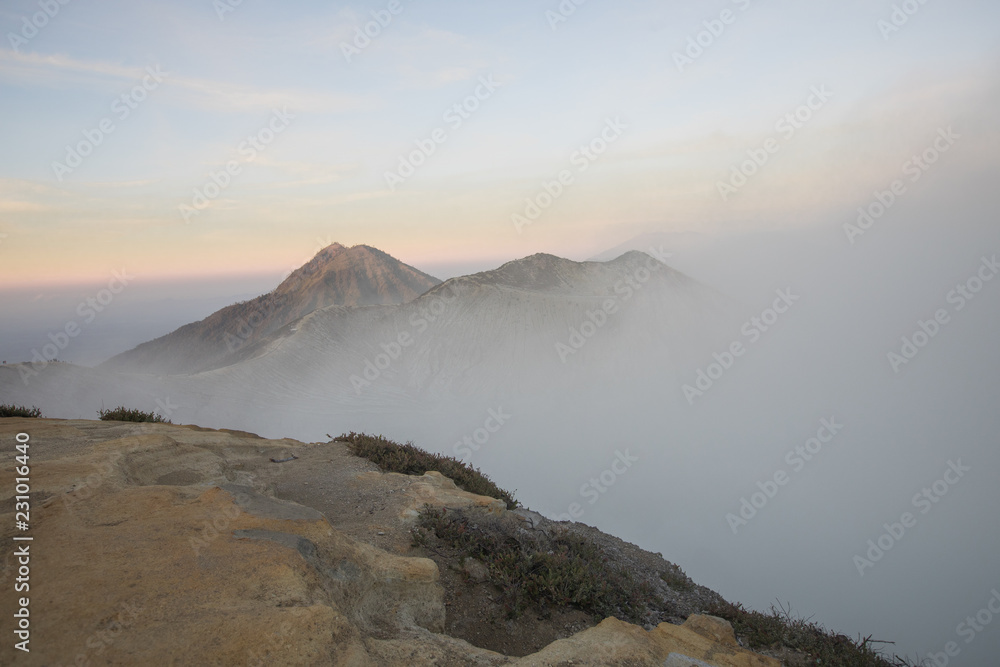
(162, 97)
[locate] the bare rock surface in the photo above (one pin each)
(160, 544)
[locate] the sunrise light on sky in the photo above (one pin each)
(292, 121)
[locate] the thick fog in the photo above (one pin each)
(824, 362)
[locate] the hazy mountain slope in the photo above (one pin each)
(340, 276)
(539, 325)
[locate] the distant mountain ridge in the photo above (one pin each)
(542, 273)
(336, 276)
(537, 331)
(540, 323)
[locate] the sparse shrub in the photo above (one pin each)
(409, 459)
(536, 569)
(123, 414)
(10, 410)
(779, 628)
(677, 580)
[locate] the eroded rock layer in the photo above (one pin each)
(159, 544)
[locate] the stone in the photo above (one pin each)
(712, 627)
(437, 491)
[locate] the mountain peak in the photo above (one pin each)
(357, 276)
(545, 272)
(331, 250)
(335, 276)
(540, 271)
(319, 260)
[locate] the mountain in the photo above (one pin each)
(542, 333)
(532, 324)
(336, 276)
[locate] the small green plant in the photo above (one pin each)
(409, 459)
(546, 571)
(778, 628)
(123, 414)
(10, 410)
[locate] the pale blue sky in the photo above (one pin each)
(324, 176)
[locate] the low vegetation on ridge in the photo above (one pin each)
(123, 414)
(537, 570)
(409, 459)
(11, 410)
(779, 629)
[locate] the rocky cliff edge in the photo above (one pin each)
(162, 544)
